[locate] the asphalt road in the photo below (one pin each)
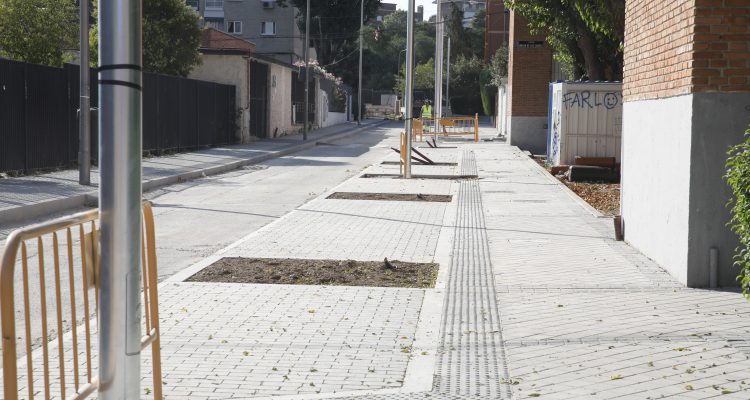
(194, 219)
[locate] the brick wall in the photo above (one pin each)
(529, 71)
(495, 27)
(675, 47)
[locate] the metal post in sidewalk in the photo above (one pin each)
(307, 69)
(361, 28)
(120, 129)
(408, 95)
(438, 111)
(448, 79)
(84, 106)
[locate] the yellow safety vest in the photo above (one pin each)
(426, 111)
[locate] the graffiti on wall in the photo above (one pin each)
(589, 99)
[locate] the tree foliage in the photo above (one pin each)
(334, 32)
(465, 89)
(586, 35)
(38, 31)
(498, 66)
(171, 37)
(385, 45)
(468, 42)
(738, 178)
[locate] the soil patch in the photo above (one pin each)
(435, 164)
(290, 271)
(415, 176)
(439, 198)
(603, 196)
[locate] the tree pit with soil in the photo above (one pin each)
(291, 271)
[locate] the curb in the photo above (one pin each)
(38, 210)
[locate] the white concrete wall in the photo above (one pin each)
(327, 118)
(502, 109)
(656, 179)
(280, 101)
(528, 133)
(229, 70)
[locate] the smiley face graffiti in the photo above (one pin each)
(611, 100)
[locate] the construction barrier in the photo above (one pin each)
(404, 142)
(80, 228)
(449, 126)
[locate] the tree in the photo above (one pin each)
(385, 44)
(586, 35)
(171, 37)
(465, 89)
(334, 32)
(738, 178)
(498, 66)
(38, 31)
(424, 77)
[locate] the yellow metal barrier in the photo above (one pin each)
(84, 224)
(461, 126)
(402, 155)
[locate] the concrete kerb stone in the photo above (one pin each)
(17, 214)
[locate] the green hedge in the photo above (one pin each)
(738, 178)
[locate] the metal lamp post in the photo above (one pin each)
(361, 28)
(307, 70)
(408, 95)
(120, 128)
(84, 120)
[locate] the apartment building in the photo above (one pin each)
(469, 8)
(272, 28)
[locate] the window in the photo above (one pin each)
(193, 3)
(216, 23)
(268, 28)
(234, 27)
(268, 3)
(215, 4)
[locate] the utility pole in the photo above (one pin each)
(307, 69)
(408, 90)
(120, 130)
(448, 83)
(361, 28)
(84, 120)
(438, 110)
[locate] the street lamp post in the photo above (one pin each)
(84, 120)
(361, 27)
(120, 130)
(307, 69)
(408, 95)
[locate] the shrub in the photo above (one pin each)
(738, 178)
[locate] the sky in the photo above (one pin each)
(429, 8)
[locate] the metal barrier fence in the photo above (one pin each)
(449, 126)
(81, 384)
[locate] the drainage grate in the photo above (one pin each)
(415, 176)
(439, 198)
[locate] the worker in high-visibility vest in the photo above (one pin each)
(427, 110)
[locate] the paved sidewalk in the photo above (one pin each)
(36, 195)
(534, 298)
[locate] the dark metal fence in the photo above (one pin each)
(39, 123)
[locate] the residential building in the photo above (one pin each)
(272, 28)
(469, 8)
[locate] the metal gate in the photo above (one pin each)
(259, 100)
